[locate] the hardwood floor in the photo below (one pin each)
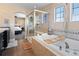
(24, 48)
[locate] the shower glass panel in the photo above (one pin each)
(31, 26)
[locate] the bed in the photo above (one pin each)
(18, 30)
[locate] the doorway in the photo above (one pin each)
(20, 26)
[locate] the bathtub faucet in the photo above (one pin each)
(67, 46)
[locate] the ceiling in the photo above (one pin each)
(31, 5)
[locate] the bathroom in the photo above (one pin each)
(50, 29)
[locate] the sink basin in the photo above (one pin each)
(49, 41)
(54, 40)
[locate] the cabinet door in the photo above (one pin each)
(1, 40)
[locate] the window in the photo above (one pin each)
(75, 12)
(59, 14)
(45, 18)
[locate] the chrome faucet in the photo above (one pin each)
(67, 46)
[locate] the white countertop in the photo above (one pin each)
(3, 29)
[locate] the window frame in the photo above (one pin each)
(71, 13)
(59, 13)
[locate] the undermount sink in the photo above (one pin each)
(54, 40)
(49, 41)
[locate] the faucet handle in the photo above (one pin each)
(60, 47)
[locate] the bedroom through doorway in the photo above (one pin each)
(20, 26)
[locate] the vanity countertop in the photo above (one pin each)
(3, 29)
(47, 46)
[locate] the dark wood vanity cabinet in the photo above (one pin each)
(4, 40)
(1, 42)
